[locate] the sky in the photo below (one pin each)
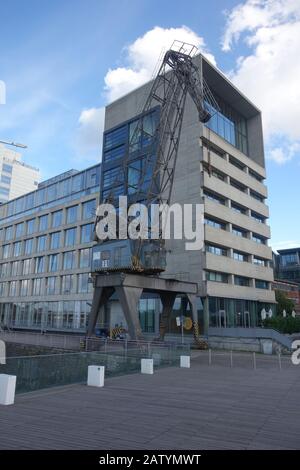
(62, 61)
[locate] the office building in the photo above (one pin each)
(16, 177)
(46, 238)
(288, 264)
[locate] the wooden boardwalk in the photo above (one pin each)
(205, 407)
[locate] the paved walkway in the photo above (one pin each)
(205, 407)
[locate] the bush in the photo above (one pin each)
(287, 325)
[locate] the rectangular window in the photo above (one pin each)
(67, 286)
(259, 284)
(237, 185)
(5, 179)
(89, 209)
(19, 229)
(289, 259)
(84, 286)
(85, 258)
(37, 286)
(86, 233)
(70, 237)
(57, 218)
(115, 153)
(13, 288)
(54, 240)
(24, 288)
(259, 218)
(237, 255)
(4, 270)
(39, 264)
(6, 251)
(69, 260)
(214, 197)
(16, 268)
(216, 250)
(216, 276)
(241, 281)
(29, 246)
(239, 232)
(237, 208)
(43, 223)
(215, 223)
(41, 243)
(258, 239)
(72, 214)
(17, 248)
(259, 261)
(8, 233)
(27, 266)
(115, 138)
(7, 168)
(256, 176)
(51, 285)
(113, 176)
(257, 196)
(53, 263)
(30, 226)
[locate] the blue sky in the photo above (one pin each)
(63, 60)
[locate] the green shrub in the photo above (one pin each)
(287, 325)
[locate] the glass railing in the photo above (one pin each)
(38, 372)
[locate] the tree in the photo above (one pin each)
(283, 302)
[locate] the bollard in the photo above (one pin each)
(7, 389)
(209, 357)
(254, 361)
(279, 360)
(147, 366)
(185, 361)
(96, 376)
(231, 359)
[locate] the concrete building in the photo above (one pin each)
(45, 247)
(16, 177)
(222, 165)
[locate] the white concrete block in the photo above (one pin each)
(96, 376)
(185, 361)
(7, 389)
(147, 366)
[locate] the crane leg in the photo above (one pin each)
(129, 299)
(167, 300)
(101, 296)
(201, 344)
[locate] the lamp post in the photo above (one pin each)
(14, 144)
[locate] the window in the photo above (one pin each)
(289, 259)
(257, 196)
(89, 209)
(43, 223)
(241, 281)
(7, 168)
(84, 286)
(259, 284)
(29, 246)
(216, 250)
(30, 226)
(41, 243)
(218, 174)
(259, 261)
(259, 218)
(53, 263)
(237, 208)
(258, 239)
(13, 288)
(4, 269)
(115, 138)
(85, 258)
(51, 285)
(54, 240)
(216, 277)
(39, 264)
(70, 237)
(17, 248)
(5, 251)
(215, 223)
(37, 286)
(8, 233)
(69, 260)
(4, 191)
(86, 233)
(214, 197)
(239, 232)
(237, 185)
(256, 176)
(112, 176)
(16, 268)
(5, 179)
(19, 229)
(67, 286)
(237, 163)
(27, 266)
(2, 288)
(24, 288)
(237, 255)
(72, 214)
(57, 219)
(114, 154)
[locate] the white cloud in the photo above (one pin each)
(142, 58)
(282, 245)
(270, 74)
(89, 134)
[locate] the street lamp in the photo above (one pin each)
(14, 144)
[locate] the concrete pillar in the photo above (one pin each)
(129, 299)
(167, 300)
